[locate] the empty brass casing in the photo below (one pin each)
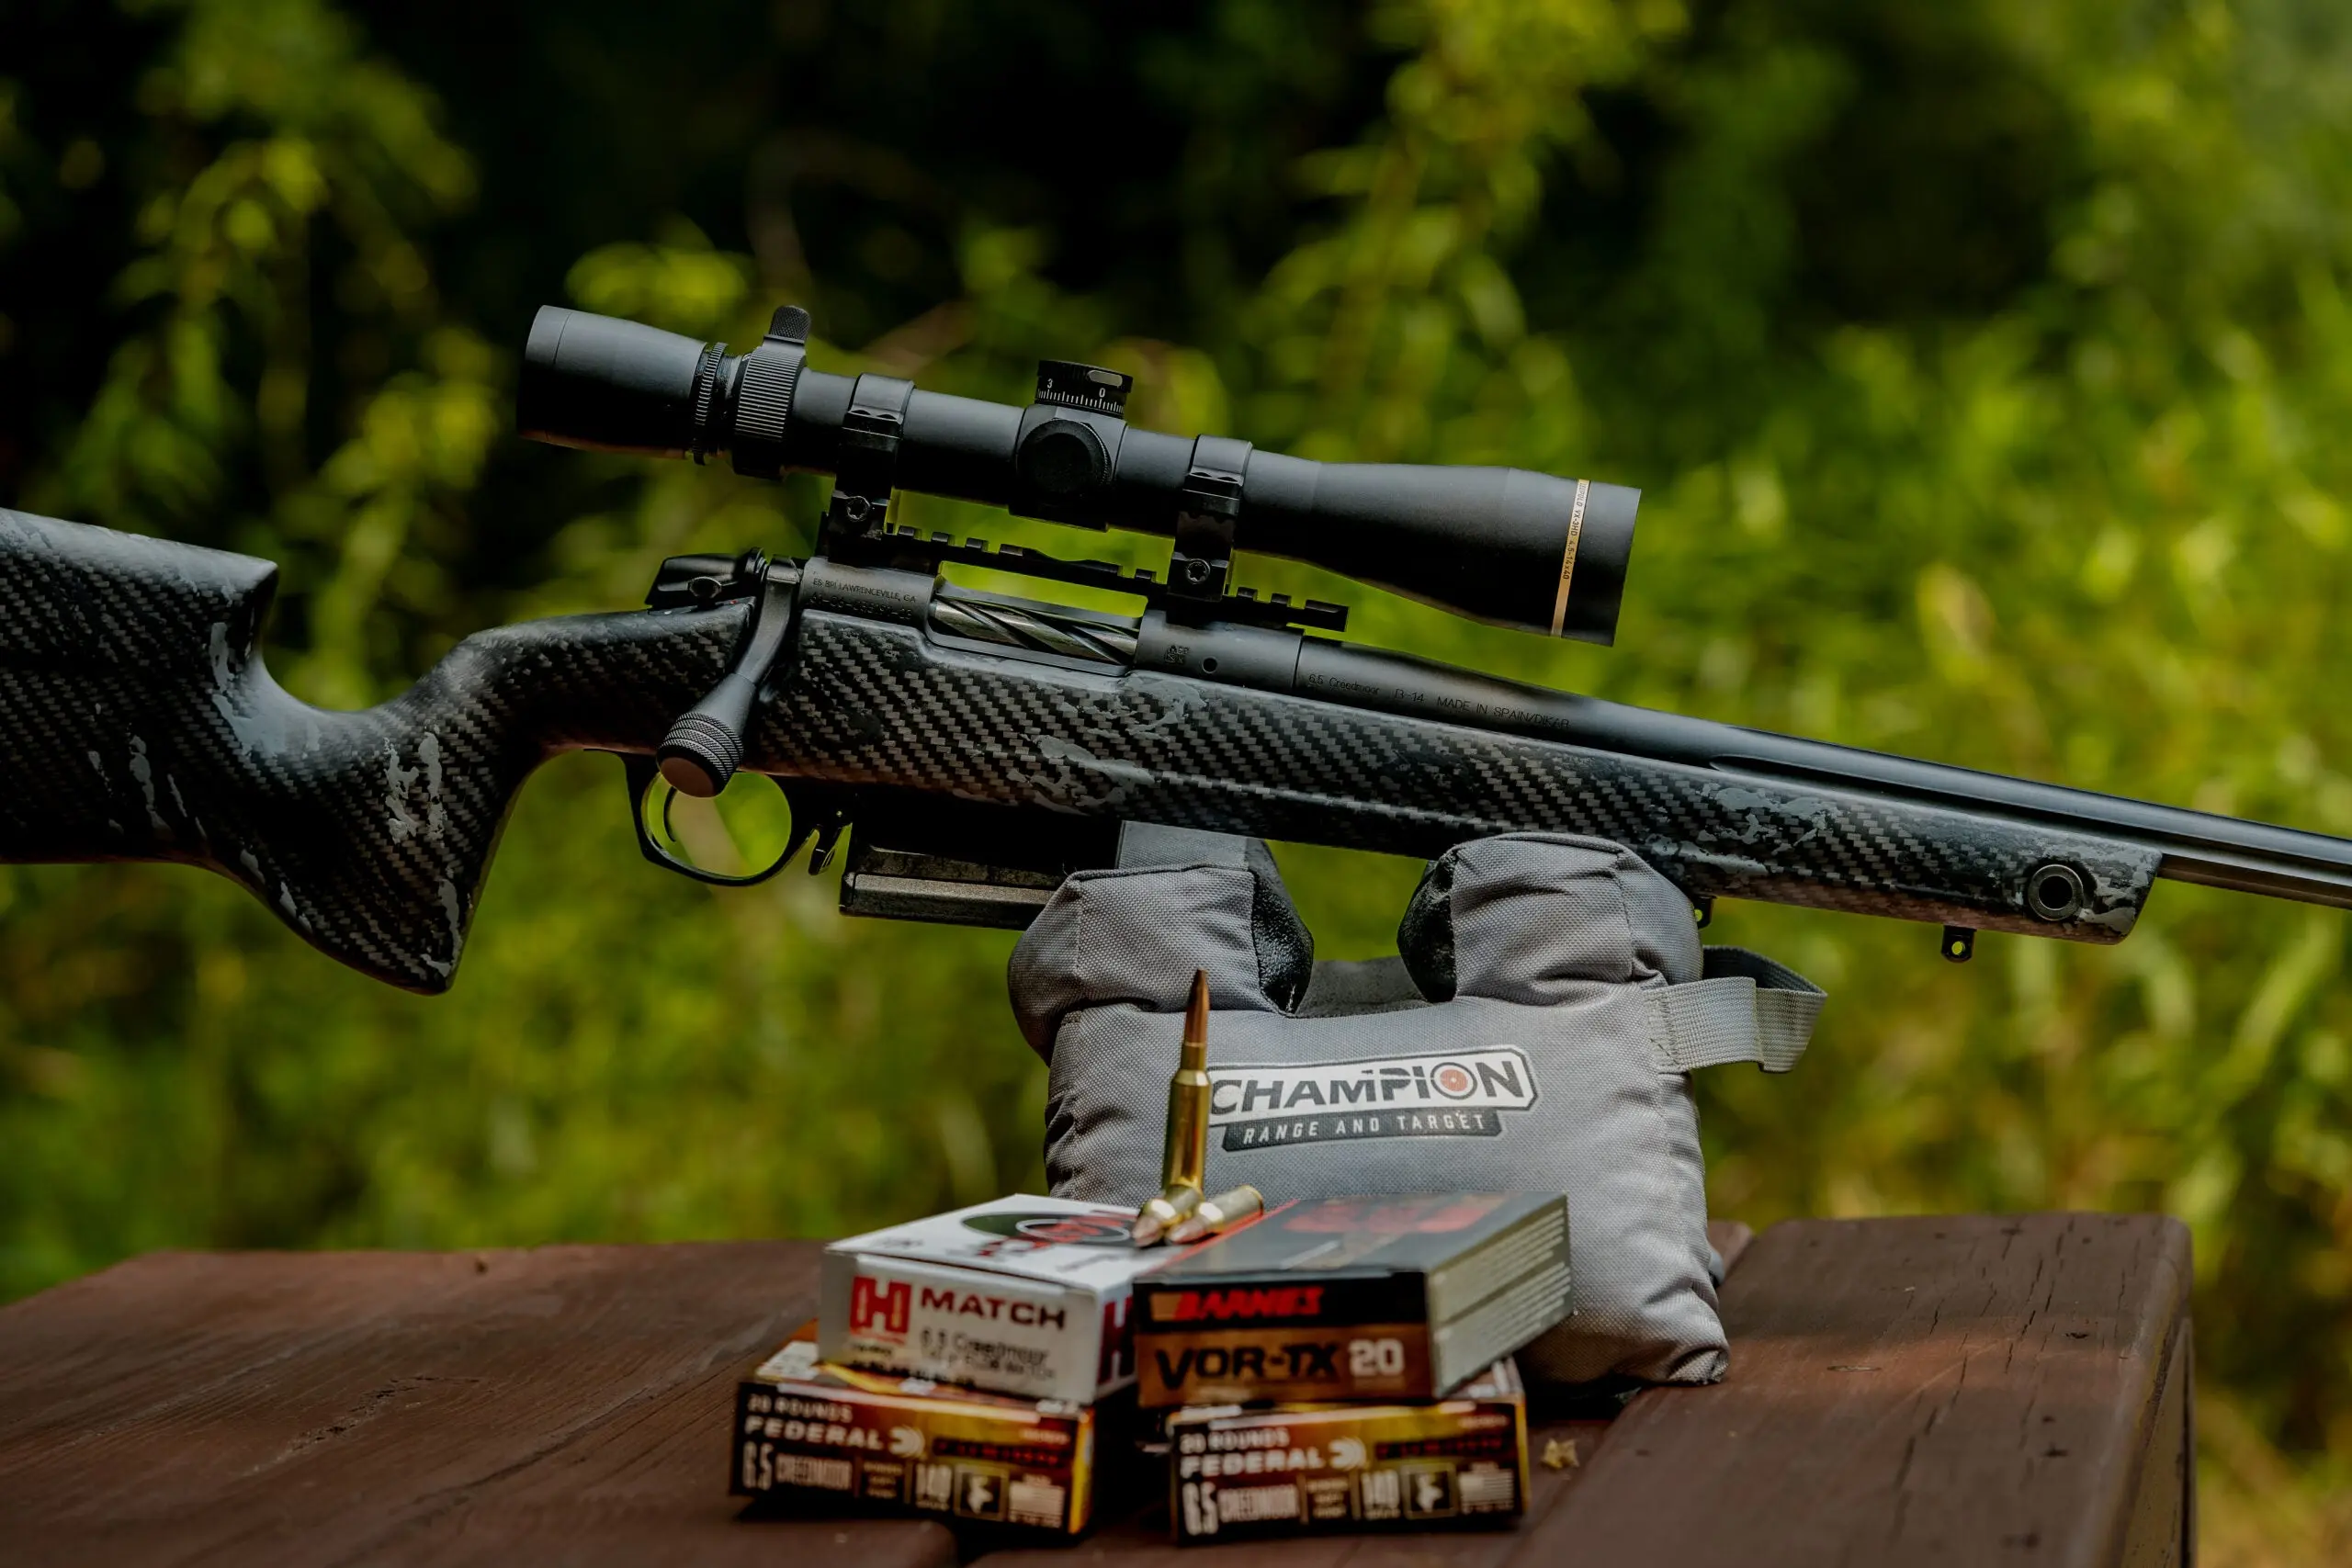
(1211, 1215)
(1158, 1214)
(1184, 1158)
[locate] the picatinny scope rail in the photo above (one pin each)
(1507, 545)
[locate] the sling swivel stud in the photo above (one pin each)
(2054, 892)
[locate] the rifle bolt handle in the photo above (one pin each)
(704, 747)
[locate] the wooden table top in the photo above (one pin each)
(1961, 1390)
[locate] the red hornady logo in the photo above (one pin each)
(873, 1305)
(1290, 1300)
(1118, 1354)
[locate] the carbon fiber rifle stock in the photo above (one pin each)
(980, 747)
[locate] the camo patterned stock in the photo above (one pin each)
(142, 726)
(875, 703)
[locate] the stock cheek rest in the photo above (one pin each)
(1535, 1034)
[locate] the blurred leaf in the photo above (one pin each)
(1981, 364)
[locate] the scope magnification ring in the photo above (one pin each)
(763, 406)
(702, 441)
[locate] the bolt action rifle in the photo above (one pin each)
(975, 747)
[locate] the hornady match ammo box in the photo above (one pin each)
(809, 1434)
(1352, 1298)
(1020, 1295)
(1321, 1469)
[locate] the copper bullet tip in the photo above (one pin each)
(1159, 1215)
(1212, 1216)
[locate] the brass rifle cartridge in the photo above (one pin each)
(1184, 1156)
(1211, 1215)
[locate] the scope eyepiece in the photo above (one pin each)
(1504, 545)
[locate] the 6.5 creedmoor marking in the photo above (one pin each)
(1021, 1295)
(1314, 1469)
(809, 1430)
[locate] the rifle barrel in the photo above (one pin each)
(2196, 846)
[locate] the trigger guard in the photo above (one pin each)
(642, 772)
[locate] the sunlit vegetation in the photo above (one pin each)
(1986, 367)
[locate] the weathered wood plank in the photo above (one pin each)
(1958, 1390)
(2163, 1531)
(569, 1403)
(1730, 1239)
(1948, 1391)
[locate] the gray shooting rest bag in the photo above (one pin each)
(1536, 1035)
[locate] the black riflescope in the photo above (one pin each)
(1503, 546)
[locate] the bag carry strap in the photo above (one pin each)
(1746, 1009)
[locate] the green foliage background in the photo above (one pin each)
(1985, 363)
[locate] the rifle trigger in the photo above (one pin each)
(643, 777)
(829, 839)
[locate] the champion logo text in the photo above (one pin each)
(1459, 1094)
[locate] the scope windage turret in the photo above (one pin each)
(1503, 546)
